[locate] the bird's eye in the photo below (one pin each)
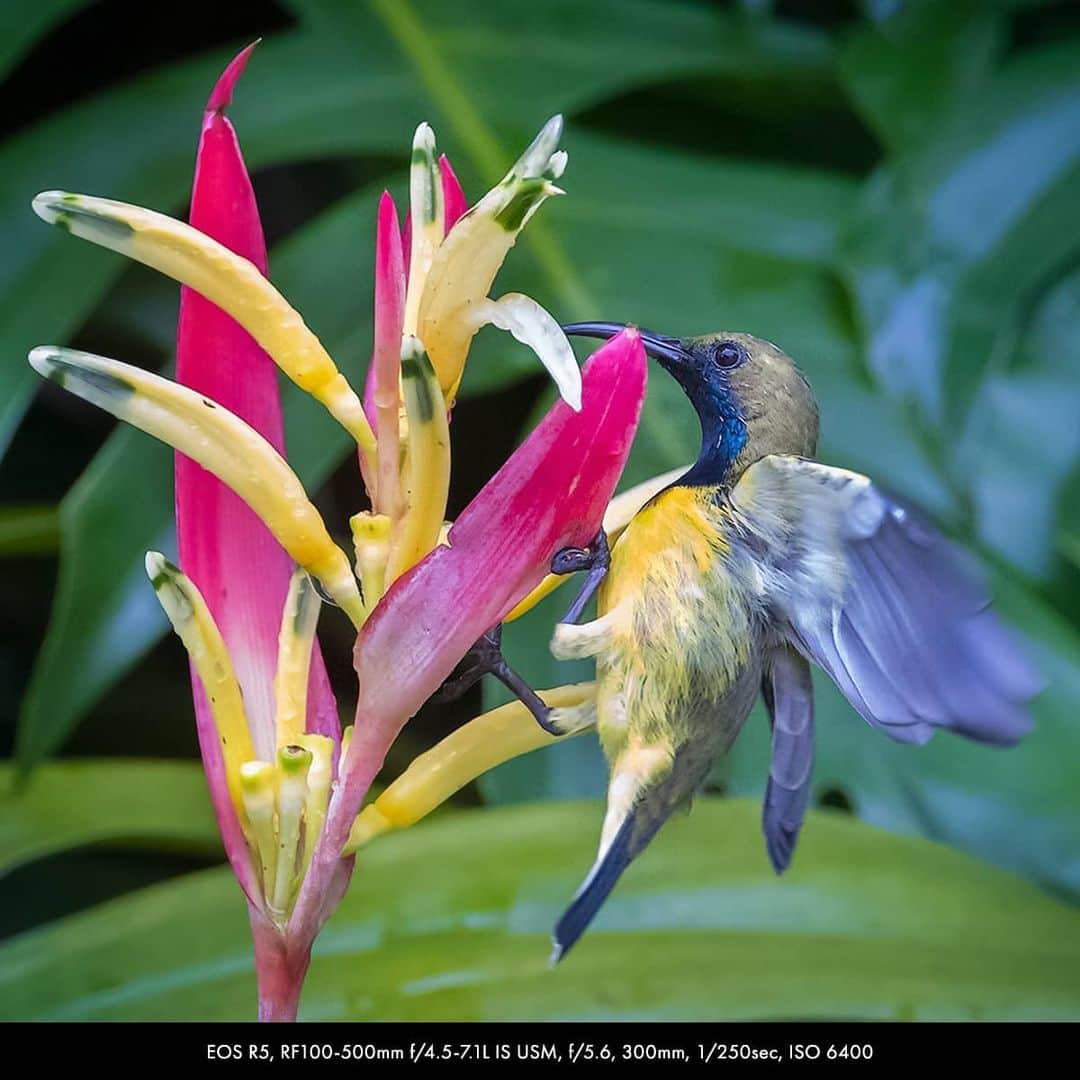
(730, 354)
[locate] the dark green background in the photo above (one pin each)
(888, 189)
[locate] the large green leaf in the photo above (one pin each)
(865, 925)
(70, 804)
(490, 83)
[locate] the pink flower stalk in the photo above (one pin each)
(286, 789)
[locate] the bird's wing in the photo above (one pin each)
(896, 615)
(789, 697)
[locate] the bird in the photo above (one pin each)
(757, 564)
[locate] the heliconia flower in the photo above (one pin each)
(286, 783)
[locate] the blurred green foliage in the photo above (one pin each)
(867, 925)
(890, 191)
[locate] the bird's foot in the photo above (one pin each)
(596, 558)
(486, 658)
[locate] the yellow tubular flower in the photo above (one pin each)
(195, 626)
(480, 745)
(617, 516)
(293, 765)
(258, 781)
(466, 263)
(371, 541)
(299, 619)
(226, 279)
(222, 443)
(427, 469)
(428, 220)
(318, 790)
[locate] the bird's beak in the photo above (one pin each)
(667, 350)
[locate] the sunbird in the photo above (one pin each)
(758, 562)
(755, 564)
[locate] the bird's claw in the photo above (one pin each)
(571, 559)
(483, 656)
(486, 658)
(596, 558)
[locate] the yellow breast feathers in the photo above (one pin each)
(673, 627)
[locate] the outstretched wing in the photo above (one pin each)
(896, 615)
(789, 697)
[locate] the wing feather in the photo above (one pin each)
(896, 615)
(789, 697)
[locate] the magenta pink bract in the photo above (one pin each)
(238, 566)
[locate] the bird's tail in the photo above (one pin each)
(652, 805)
(594, 890)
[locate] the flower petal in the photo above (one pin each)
(428, 223)
(195, 626)
(225, 549)
(229, 280)
(537, 329)
(299, 619)
(455, 203)
(391, 275)
(473, 749)
(468, 260)
(220, 442)
(427, 478)
(385, 372)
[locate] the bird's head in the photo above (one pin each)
(750, 397)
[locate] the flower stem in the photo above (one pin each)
(280, 966)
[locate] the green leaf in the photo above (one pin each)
(908, 73)
(952, 241)
(461, 54)
(22, 26)
(105, 617)
(29, 530)
(1015, 473)
(865, 925)
(70, 804)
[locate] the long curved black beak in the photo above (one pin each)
(668, 350)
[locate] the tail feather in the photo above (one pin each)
(653, 783)
(594, 891)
